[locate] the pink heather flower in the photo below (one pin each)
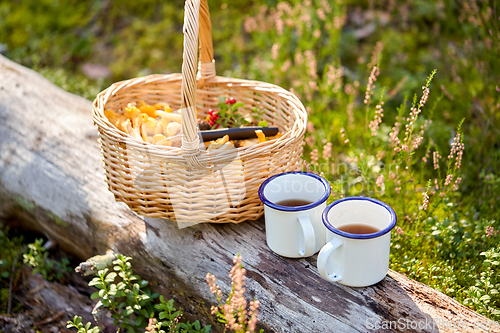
(457, 149)
(274, 51)
(314, 157)
(448, 180)
(321, 14)
(234, 311)
(334, 76)
(490, 231)
(286, 66)
(379, 114)
(435, 158)
(393, 137)
(311, 60)
(250, 24)
(310, 127)
(399, 231)
(380, 155)
(426, 201)
(457, 182)
(299, 58)
(326, 6)
(436, 183)
(343, 135)
(380, 181)
(211, 281)
(310, 141)
(426, 157)
(370, 86)
(327, 150)
(425, 96)
(313, 85)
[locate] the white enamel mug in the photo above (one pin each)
(356, 260)
(295, 232)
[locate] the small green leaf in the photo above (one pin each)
(110, 277)
(485, 298)
(262, 123)
(95, 295)
(128, 311)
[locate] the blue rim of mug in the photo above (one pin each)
(360, 236)
(271, 204)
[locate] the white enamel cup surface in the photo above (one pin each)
(356, 260)
(295, 232)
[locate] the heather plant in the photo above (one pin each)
(236, 313)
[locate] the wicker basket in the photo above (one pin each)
(190, 184)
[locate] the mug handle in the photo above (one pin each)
(323, 256)
(309, 237)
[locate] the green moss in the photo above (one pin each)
(56, 219)
(25, 203)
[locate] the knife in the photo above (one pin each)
(238, 133)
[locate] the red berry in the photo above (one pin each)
(216, 117)
(210, 111)
(211, 122)
(217, 126)
(227, 101)
(232, 100)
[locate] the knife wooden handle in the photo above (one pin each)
(238, 133)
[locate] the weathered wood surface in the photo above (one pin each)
(51, 179)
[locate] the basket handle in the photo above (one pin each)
(196, 20)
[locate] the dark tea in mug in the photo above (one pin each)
(358, 229)
(293, 202)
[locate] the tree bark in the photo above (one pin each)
(52, 181)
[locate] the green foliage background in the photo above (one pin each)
(324, 51)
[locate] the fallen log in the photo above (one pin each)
(52, 181)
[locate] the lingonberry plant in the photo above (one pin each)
(229, 115)
(37, 258)
(135, 308)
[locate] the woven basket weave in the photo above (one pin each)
(190, 184)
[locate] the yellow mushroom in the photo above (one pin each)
(260, 135)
